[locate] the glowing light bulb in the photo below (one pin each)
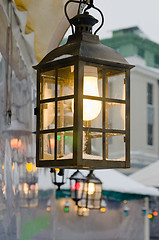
(91, 108)
(91, 188)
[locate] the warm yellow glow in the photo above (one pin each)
(150, 216)
(91, 188)
(48, 209)
(2, 166)
(83, 211)
(91, 108)
(103, 209)
(29, 167)
(57, 169)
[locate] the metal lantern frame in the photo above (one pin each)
(58, 181)
(82, 49)
(77, 181)
(92, 192)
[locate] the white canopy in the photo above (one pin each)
(49, 24)
(112, 181)
(148, 175)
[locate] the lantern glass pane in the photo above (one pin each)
(57, 178)
(91, 197)
(65, 145)
(92, 83)
(47, 146)
(92, 145)
(47, 84)
(115, 87)
(76, 189)
(115, 146)
(115, 116)
(64, 113)
(92, 113)
(28, 194)
(92, 87)
(65, 81)
(47, 116)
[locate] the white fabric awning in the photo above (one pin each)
(112, 181)
(148, 175)
(47, 20)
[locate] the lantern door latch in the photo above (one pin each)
(36, 111)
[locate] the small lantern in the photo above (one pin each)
(58, 177)
(151, 216)
(126, 210)
(103, 206)
(48, 205)
(92, 192)
(28, 189)
(83, 102)
(155, 213)
(76, 186)
(143, 211)
(82, 211)
(28, 183)
(67, 206)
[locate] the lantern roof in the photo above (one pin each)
(84, 45)
(77, 176)
(92, 178)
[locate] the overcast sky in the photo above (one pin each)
(127, 13)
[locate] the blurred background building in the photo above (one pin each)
(139, 50)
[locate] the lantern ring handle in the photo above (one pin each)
(91, 5)
(102, 16)
(65, 10)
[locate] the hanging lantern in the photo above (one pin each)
(83, 101)
(58, 177)
(76, 186)
(15, 143)
(92, 192)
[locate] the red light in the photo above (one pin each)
(77, 186)
(155, 213)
